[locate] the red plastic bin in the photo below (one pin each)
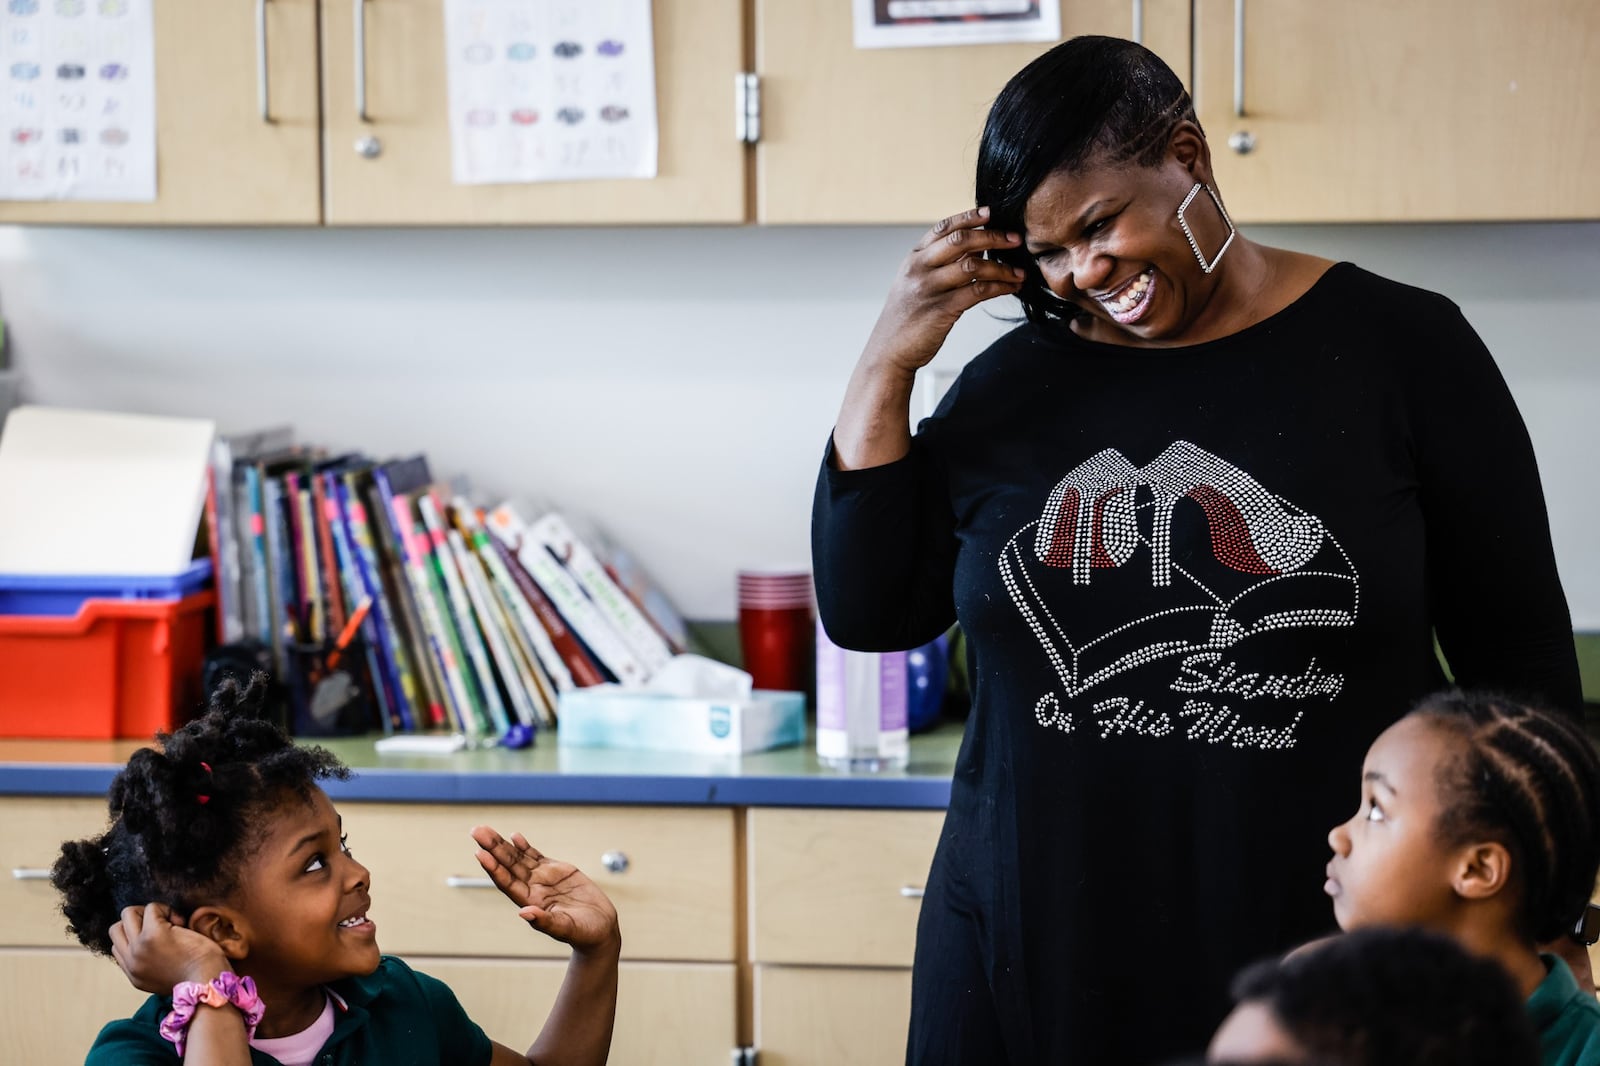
(117, 668)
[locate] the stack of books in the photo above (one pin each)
(465, 618)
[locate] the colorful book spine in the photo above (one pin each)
(256, 528)
(631, 577)
(585, 669)
(216, 536)
(440, 635)
(537, 687)
(568, 596)
(522, 595)
(411, 700)
(613, 603)
(407, 616)
(469, 625)
(312, 610)
(348, 567)
(333, 592)
(280, 569)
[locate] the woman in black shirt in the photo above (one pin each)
(1200, 518)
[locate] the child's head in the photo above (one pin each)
(226, 825)
(1472, 806)
(1374, 998)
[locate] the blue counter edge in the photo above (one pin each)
(420, 786)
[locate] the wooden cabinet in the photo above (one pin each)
(830, 1014)
(1373, 110)
(882, 134)
(1365, 111)
(399, 60)
(55, 1001)
(667, 1013)
(31, 833)
(1370, 110)
(38, 961)
(869, 867)
(833, 902)
(675, 895)
(218, 159)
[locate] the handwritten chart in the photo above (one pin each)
(551, 90)
(78, 108)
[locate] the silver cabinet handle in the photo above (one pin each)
(911, 891)
(468, 882)
(263, 92)
(361, 60)
(30, 873)
(1238, 58)
(1138, 21)
(615, 861)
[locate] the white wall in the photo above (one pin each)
(675, 385)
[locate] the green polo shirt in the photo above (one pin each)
(1566, 1016)
(393, 1016)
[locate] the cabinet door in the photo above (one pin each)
(863, 869)
(807, 1015)
(667, 1013)
(53, 1003)
(218, 160)
(891, 134)
(32, 829)
(1372, 110)
(673, 889)
(700, 176)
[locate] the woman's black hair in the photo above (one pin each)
(184, 818)
(1089, 98)
(1530, 780)
(1386, 996)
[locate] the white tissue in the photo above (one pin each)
(686, 674)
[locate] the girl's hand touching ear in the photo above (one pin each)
(156, 950)
(554, 897)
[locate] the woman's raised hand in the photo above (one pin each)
(554, 897)
(945, 274)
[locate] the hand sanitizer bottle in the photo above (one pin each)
(861, 708)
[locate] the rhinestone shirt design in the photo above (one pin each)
(1288, 573)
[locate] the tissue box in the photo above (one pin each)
(610, 716)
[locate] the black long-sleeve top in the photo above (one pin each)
(1195, 583)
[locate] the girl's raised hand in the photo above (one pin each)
(156, 950)
(554, 897)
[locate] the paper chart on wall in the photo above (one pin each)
(78, 108)
(551, 90)
(925, 23)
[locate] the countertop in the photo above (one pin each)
(546, 773)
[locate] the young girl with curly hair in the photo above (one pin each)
(226, 888)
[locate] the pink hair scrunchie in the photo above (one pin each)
(226, 988)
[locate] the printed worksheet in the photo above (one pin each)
(551, 90)
(78, 112)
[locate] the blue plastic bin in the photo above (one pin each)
(56, 596)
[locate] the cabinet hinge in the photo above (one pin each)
(744, 1056)
(747, 107)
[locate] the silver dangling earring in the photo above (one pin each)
(1187, 232)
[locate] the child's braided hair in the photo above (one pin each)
(186, 816)
(1530, 780)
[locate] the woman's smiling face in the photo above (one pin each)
(1106, 239)
(305, 899)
